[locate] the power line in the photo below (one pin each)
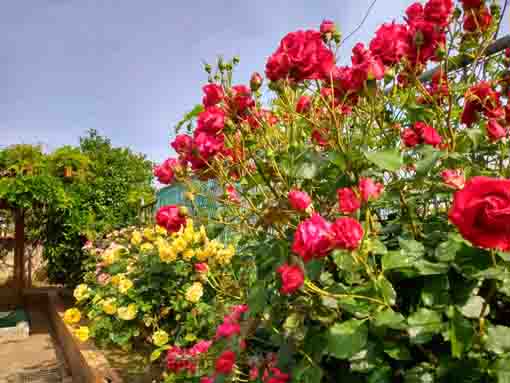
(360, 24)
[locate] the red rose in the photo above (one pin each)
(477, 21)
(256, 81)
(481, 98)
(481, 212)
(438, 11)
(320, 137)
(313, 238)
(410, 138)
(241, 100)
(348, 201)
(258, 117)
(414, 13)
(171, 217)
(225, 362)
(365, 65)
(453, 178)
(232, 194)
(227, 329)
(369, 189)
(430, 136)
(275, 376)
(495, 131)
(165, 173)
(211, 120)
(299, 200)
(206, 379)
(348, 233)
(303, 105)
(182, 144)
(327, 26)
(390, 43)
(201, 267)
(301, 56)
(213, 94)
(292, 278)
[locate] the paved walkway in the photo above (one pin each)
(36, 359)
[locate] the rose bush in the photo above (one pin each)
(164, 288)
(372, 201)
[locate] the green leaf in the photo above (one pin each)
(423, 373)
(446, 251)
(397, 351)
(307, 170)
(461, 334)
(431, 156)
(501, 368)
(435, 291)
(338, 159)
(156, 354)
(386, 289)
(498, 339)
(423, 325)
(389, 318)
(390, 159)
(313, 269)
(380, 375)
(306, 373)
(473, 307)
(347, 339)
(197, 109)
(257, 299)
(367, 359)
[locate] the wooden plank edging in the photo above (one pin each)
(86, 362)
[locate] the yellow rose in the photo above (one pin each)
(82, 333)
(179, 245)
(195, 292)
(81, 292)
(146, 247)
(190, 337)
(131, 267)
(124, 285)
(202, 254)
(128, 313)
(161, 230)
(115, 280)
(160, 338)
(109, 257)
(167, 254)
(188, 254)
(72, 316)
(109, 306)
(149, 234)
(225, 256)
(136, 238)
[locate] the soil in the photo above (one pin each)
(36, 359)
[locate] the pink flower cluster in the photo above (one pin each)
(315, 237)
(271, 373)
(349, 200)
(179, 359)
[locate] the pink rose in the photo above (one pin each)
(430, 136)
(201, 267)
(256, 81)
(292, 277)
(348, 201)
(327, 26)
(211, 120)
(170, 217)
(453, 178)
(299, 200)
(232, 194)
(165, 173)
(390, 43)
(227, 329)
(313, 238)
(348, 233)
(213, 94)
(208, 145)
(182, 144)
(369, 189)
(225, 362)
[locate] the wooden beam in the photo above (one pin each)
(19, 253)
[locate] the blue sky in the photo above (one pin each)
(131, 68)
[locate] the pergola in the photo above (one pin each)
(15, 294)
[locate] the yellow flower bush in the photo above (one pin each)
(147, 285)
(72, 316)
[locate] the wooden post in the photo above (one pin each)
(19, 254)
